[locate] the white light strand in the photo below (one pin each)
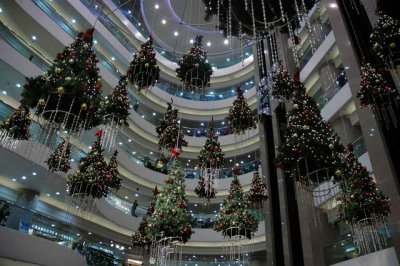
(218, 14)
(274, 48)
(299, 14)
(293, 46)
(230, 23)
(246, 5)
(310, 33)
(264, 16)
(282, 12)
(254, 19)
(241, 43)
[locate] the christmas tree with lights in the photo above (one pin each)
(115, 108)
(169, 132)
(16, 126)
(385, 38)
(374, 88)
(240, 117)
(171, 217)
(194, 70)
(283, 84)
(360, 196)
(113, 176)
(234, 217)
(258, 189)
(59, 160)
(91, 178)
(143, 70)
(71, 85)
(309, 142)
(140, 238)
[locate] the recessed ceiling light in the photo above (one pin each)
(15, 180)
(129, 12)
(1, 10)
(333, 5)
(156, 6)
(133, 152)
(228, 59)
(73, 20)
(208, 43)
(4, 92)
(223, 123)
(78, 234)
(126, 197)
(48, 195)
(34, 173)
(23, 177)
(154, 114)
(191, 41)
(53, 225)
(151, 152)
(34, 37)
(129, 140)
(120, 143)
(90, 233)
(94, 41)
(189, 160)
(226, 41)
(136, 195)
(72, 160)
(57, 193)
(139, 24)
(113, 58)
(142, 116)
(163, 21)
(18, 85)
(176, 33)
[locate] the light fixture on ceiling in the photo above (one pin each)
(176, 33)
(208, 43)
(18, 85)
(34, 173)
(151, 153)
(333, 5)
(226, 41)
(126, 197)
(73, 21)
(163, 21)
(95, 41)
(191, 41)
(156, 6)
(34, 38)
(136, 195)
(120, 143)
(48, 195)
(154, 114)
(228, 59)
(4, 92)
(57, 193)
(15, 180)
(129, 140)
(1, 10)
(113, 58)
(23, 177)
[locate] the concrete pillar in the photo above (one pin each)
(327, 75)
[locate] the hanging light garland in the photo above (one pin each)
(293, 46)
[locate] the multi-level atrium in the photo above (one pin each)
(301, 166)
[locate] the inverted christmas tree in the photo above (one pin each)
(374, 88)
(115, 108)
(140, 238)
(92, 175)
(211, 159)
(385, 38)
(234, 218)
(309, 143)
(194, 70)
(283, 84)
(258, 190)
(59, 160)
(72, 86)
(170, 134)
(361, 197)
(113, 176)
(143, 70)
(16, 126)
(171, 217)
(240, 117)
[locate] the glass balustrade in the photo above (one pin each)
(323, 96)
(309, 51)
(359, 146)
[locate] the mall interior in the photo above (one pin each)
(271, 129)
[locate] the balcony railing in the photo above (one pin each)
(323, 96)
(359, 146)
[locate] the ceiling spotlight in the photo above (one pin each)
(176, 33)
(4, 92)
(18, 85)
(228, 59)
(1, 10)
(94, 41)
(191, 41)
(208, 43)
(48, 195)
(226, 41)
(73, 20)
(154, 114)
(163, 21)
(136, 195)
(129, 12)
(33, 37)
(151, 152)
(126, 197)
(156, 6)
(333, 5)
(23, 177)
(57, 193)
(15, 180)
(129, 140)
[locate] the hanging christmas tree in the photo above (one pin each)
(309, 142)
(171, 217)
(69, 93)
(361, 197)
(169, 131)
(374, 88)
(258, 189)
(211, 159)
(113, 176)
(140, 238)
(115, 108)
(194, 70)
(17, 125)
(91, 178)
(283, 84)
(59, 160)
(240, 117)
(234, 217)
(143, 70)
(385, 39)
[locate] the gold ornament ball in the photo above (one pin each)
(160, 164)
(338, 173)
(45, 74)
(58, 70)
(71, 61)
(84, 106)
(305, 127)
(146, 65)
(295, 106)
(60, 90)
(122, 121)
(295, 135)
(331, 146)
(68, 79)
(41, 102)
(392, 45)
